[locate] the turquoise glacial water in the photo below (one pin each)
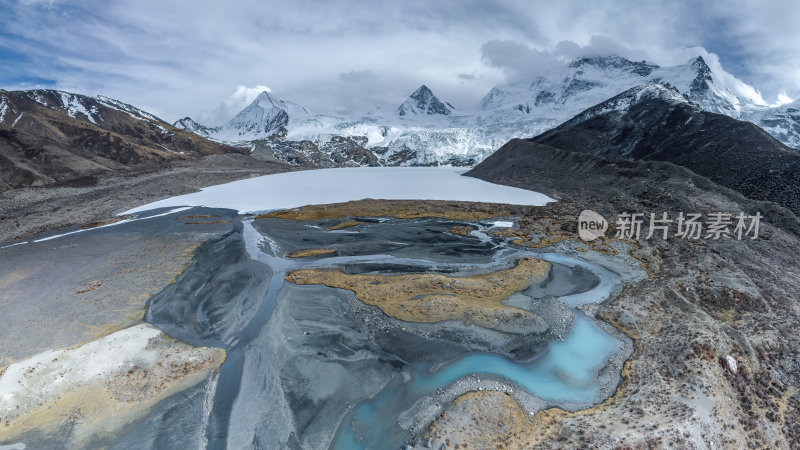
(566, 373)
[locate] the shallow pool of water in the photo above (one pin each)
(567, 372)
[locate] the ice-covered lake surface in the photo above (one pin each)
(323, 186)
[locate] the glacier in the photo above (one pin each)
(426, 131)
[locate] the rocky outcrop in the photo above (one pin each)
(706, 300)
(338, 151)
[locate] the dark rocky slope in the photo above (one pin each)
(705, 300)
(655, 122)
(565, 175)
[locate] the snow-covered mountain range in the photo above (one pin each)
(782, 122)
(425, 130)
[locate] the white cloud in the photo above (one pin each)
(783, 99)
(186, 58)
(599, 45)
(516, 59)
(737, 86)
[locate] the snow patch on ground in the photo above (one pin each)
(103, 226)
(502, 224)
(75, 108)
(129, 370)
(47, 373)
(311, 187)
(17, 120)
(3, 109)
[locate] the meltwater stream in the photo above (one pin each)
(304, 371)
(566, 373)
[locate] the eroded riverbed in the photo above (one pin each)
(314, 365)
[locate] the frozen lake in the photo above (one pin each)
(323, 186)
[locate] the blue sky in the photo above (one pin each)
(206, 58)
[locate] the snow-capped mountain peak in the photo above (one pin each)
(423, 101)
(641, 68)
(704, 87)
(700, 82)
(427, 131)
(622, 103)
(563, 92)
(782, 122)
(266, 116)
(267, 101)
(189, 124)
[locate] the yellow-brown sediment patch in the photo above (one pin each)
(197, 216)
(429, 298)
(310, 252)
(461, 230)
(402, 209)
(102, 222)
(346, 224)
(98, 332)
(602, 246)
(483, 410)
(91, 287)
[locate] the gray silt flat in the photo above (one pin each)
(41, 304)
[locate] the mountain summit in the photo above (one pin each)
(422, 101)
(425, 130)
(188, 124)
(564, 92)
(266, 116)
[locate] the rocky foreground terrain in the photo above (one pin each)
(713, 325)
(25, 212)
(716, 361)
